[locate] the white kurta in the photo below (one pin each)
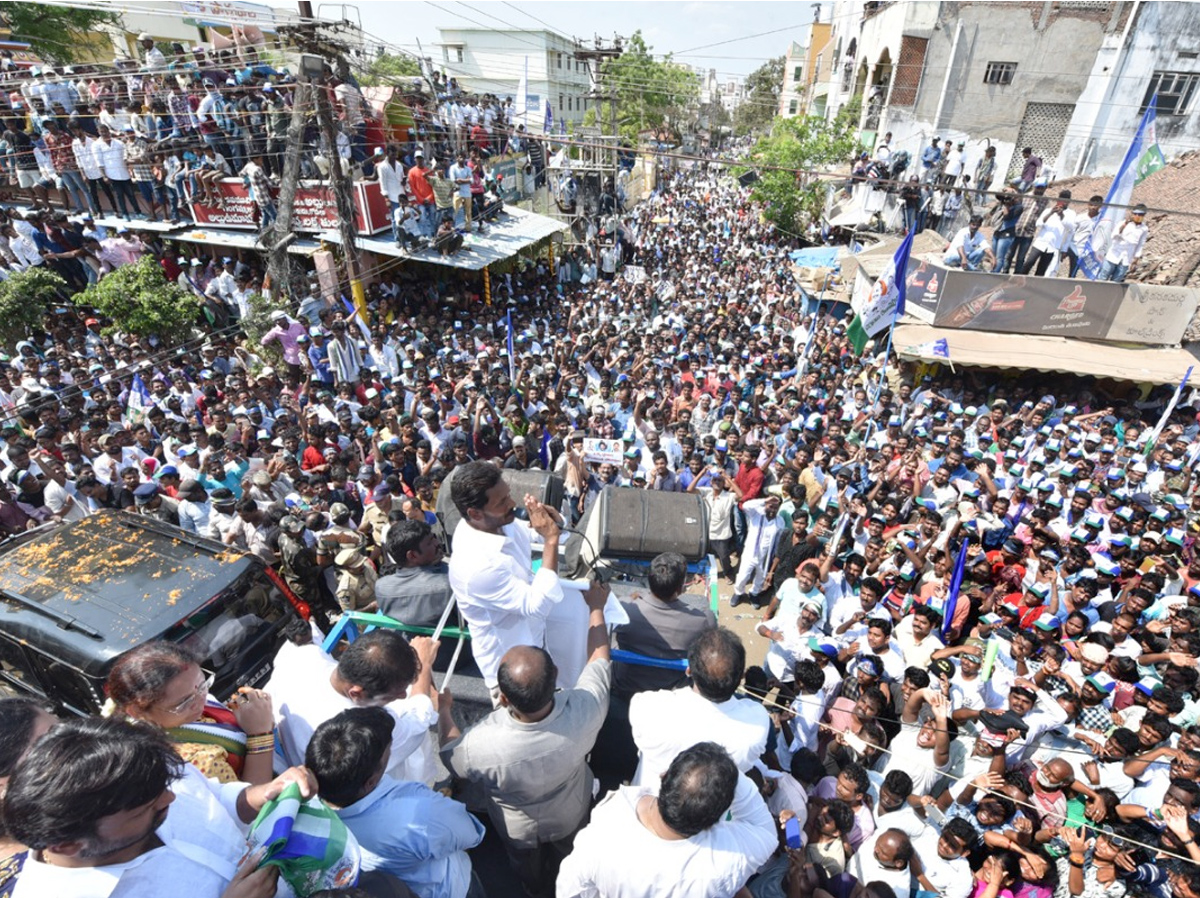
(202, 843)
(507, 605)
(303, 699)
(617, 856)
(665, 723)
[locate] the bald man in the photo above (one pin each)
(885, 859)
(529, 757)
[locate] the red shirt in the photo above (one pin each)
(311, 458)
(750, 480)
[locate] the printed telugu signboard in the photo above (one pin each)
(314, 211)
(1025, 304)
(1062, 307)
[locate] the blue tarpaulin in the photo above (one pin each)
(824, 257)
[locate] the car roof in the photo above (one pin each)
(91, 590)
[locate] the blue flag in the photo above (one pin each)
(955, 586)
(353, 314)
(512, 364)
(139, 402)
(886, 302)
(900, 272)
(1142, 158)
(549, 129)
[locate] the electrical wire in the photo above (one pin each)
(526, 12)
(746, 163)
(1082, 131)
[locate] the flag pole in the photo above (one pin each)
(886, 353)
(882, 374)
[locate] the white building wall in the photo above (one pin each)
(494, 61)
(1162, 37)
(1055, 47)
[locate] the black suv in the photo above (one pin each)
(74, 597)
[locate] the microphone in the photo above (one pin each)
(523, 514)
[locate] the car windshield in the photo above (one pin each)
(227, 632)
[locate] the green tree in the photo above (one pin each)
(139, 300)
(763, 87)
(24, 299)
(650, 92)
(56, 32)
(786, 157)
(257, 323)
(388, 68)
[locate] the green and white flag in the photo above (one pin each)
(307, 841)
(1152, 158)
(886, 303)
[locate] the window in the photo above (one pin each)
(793, 107)
(999, 73)
(458, 56)
(559, 60)
(14, 667)
(1174, 89)
(798, 74)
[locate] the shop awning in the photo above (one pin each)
(241, 240)
(1156, 365)
(515, 231)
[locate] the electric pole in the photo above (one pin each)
(320, 49)
(340, 182)
(595, 57)
(278, 261)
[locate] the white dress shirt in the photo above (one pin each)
(1127, 243)
(665, 723)
(202, 843)
(617, 856)
(391, 180)
(303, 699)
(503, 601)
(110, 156)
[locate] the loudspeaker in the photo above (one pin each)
(748, 179)
(636, 524)
(544, 486)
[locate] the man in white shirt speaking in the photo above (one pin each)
(506, 604)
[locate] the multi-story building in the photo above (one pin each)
(800, 67)
(494, 61)
(1156, 52)
(731, 94)
(706, 78)
(1069, 79)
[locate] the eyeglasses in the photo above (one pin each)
(201, 690)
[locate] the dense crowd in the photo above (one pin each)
(1014, 229)
(143, 139)
(1022, 723)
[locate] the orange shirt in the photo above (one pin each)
(419, 185)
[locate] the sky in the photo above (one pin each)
(686, 29)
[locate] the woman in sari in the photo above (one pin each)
(163, 684)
